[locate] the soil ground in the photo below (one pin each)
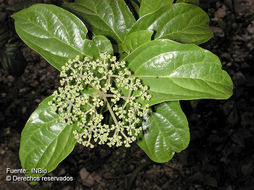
(220, 155)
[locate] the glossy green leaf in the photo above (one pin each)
(103, 44)
(181, 22)
(149, 6)
(45, 141)
(165, 132)
(135, 39)
(56, 34)
(111, 18)
(188, 1)
(176, 71)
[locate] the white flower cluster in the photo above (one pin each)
(90, 89)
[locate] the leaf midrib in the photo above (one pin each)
(168, 77)
(177, 94)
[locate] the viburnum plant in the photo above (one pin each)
(124, 67)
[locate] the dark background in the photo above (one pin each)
(220, 154)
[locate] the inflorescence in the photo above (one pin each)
(90, 88)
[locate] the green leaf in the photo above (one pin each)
(103, 44)
(181, 22)
(165, 132)
(188, 1)
(111, 18)
(149, 6)
(45, 141)
(56, 34)
(175, 71)
(135, 39)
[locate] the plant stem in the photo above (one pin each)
(115, 76)
(110, 110)
(112, 95)
(123, 134)
(129, 95)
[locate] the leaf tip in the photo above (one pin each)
(13, 16)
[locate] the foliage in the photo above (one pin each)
(159, 48)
